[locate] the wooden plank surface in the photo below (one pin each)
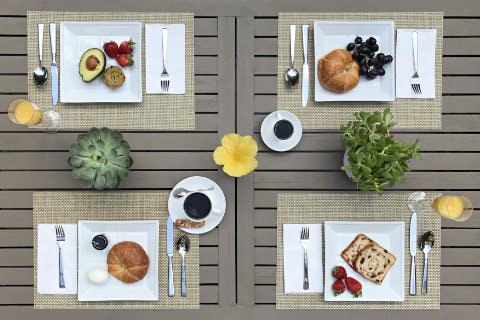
(161, 157)
(448, 162)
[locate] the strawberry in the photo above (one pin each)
(338, 287)
(354, 287)
(126, 47)
(339, 272)
(125, 60)
(111, 48)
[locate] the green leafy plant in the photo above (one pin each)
(100, 159)
(375, 159)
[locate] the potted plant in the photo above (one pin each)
(100, 159)
(373, 159)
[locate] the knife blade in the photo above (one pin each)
(53, 65)
(413, 252)
(169, 242)
(305, 70)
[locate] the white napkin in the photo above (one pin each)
(47, 259)
(426, 63)
(175, 58)
(293, 259)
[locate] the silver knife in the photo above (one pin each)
(171, 290)
(53, 66)
(305, 71)
(413, 252)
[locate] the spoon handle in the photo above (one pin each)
(40, 43)
(183, 291)
(293, 29)
(425, 276)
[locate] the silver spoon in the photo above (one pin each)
(426, 244)
(182, 192)
(183, 245)
(40, 74)
(291, 75)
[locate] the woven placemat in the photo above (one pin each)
(156, 112)
(68, 207)
(320, 207)
(408, 113)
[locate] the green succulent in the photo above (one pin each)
(100, 159)
(376, 160)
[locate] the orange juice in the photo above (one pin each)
(453, 207)
(24, 112)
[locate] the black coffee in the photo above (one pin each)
(283, 129)
(197, 206)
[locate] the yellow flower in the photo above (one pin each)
(236, 154)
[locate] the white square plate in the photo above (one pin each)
(145, 233)
(75, 39)
(330, 35)
(390, 235)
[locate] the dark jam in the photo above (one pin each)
(100, 242)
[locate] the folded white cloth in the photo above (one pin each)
(47, 259)
(175, 58)
(426, 63)
(293, 259)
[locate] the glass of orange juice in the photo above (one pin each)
(21, 111)
(24, 112)
(454, 207)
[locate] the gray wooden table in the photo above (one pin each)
(235, 66)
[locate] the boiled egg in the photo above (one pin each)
(98, 275)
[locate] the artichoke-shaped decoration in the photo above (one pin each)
(100, 159)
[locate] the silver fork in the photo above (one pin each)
(164, 77)
(304, 236)
(415, 81)
(60, 241)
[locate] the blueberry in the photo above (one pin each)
(350, 46)
(364, 50)
(363, 70)
(371, 41)
(361, 59)
(388, 59)
(372, 62)
(373, 73)
(355, 55)
(371, 54)
(358, 40)
(380, 57)
(381, 71)
(374, 47)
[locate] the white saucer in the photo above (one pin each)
(269, 137)
(175, 205)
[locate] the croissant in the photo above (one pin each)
(128, 262)
(338, 72)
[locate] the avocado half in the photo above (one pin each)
(90, 75)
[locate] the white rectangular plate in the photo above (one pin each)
(145, 233)
(75, 39)
(390, 235)
(330, 35)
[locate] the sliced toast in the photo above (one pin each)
(350, 253)
(373, 262)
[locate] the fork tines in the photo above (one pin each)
(59, 232)
(305, 233)
(165, 84)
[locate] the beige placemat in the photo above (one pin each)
(408, 113)
(68, 207)
(156, 112)
(320, 207)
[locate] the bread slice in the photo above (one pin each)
(350, 253)
(373, 262)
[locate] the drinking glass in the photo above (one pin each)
(24, 112)
(454, 207)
